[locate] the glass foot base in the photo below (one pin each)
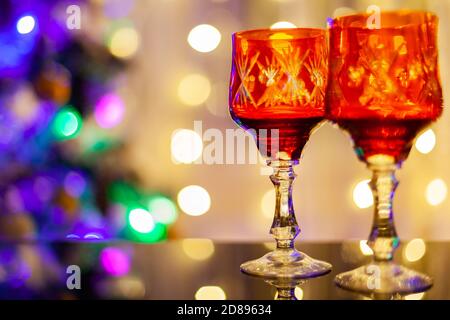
(286, 264)
(383, 278)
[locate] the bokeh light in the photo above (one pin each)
(128, 287)
(123, 192)
(93, 236)
(44, 188)
(436, 192)
(364, 247)
(163, 210)
(281, 36)
(74, 184)
(362, 195)
(283, 25)
(26, 24)
(426, 141)
(124, 42)
(204, 38)
(141, 220)
(115, 261)
(415, 296)
(198, 249)
(210, 293)
(109, 110)
(194, 200)
(415, 250)
(158, 233)
(67, 123)
(186, 146)
(298, 292)
(268, 203)
(194, 89)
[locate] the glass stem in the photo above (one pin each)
(383, 238)
(286, 294)
(284, 227)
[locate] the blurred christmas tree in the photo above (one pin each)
(59, 176)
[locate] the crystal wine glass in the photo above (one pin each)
(384, 89)
(277, 92)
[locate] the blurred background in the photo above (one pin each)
(93, 95)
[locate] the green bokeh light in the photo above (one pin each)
(158, 233)
(125, 194)
(163, 209)
(67, 123)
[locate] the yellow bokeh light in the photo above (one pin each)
(194, 200)
(198, 249)
(298, 292)
(268, 203)
(124, 42)
(436, 192)
(204, 38)
(186, 146)
(210, 293)
(362, 195)
(283, 25)
(426, 141)
(415, 250)
(281, 36)
(365, 249)
(194, 89)
(415, 296)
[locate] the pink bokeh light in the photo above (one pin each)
(109, 111)
(115, 261)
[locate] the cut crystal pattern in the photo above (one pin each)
(388, 73)
(244, 67)
(282, 75)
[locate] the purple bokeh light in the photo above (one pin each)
(74, 184)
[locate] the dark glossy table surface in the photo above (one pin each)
(177, 269)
